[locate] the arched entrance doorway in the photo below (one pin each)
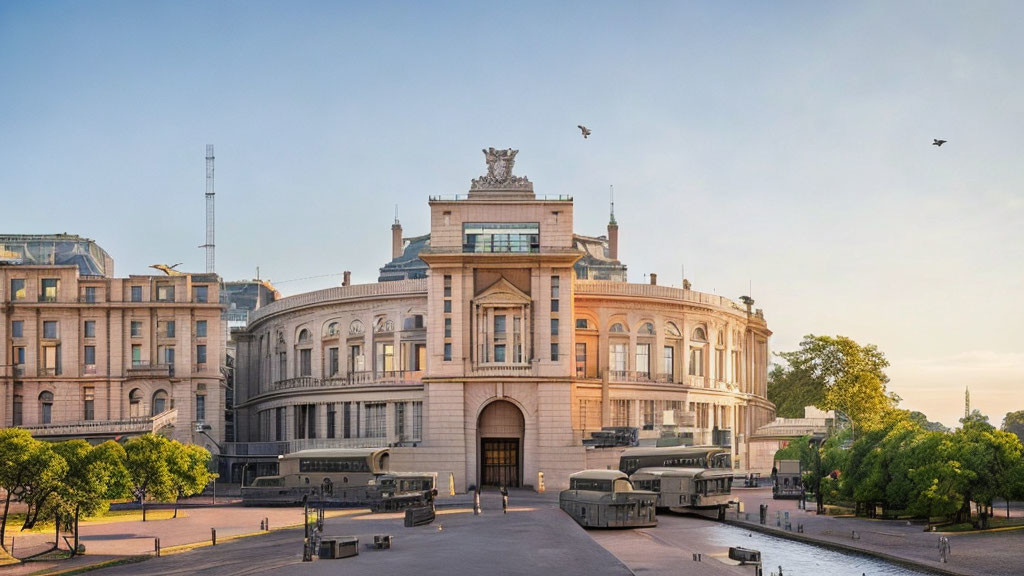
(500, 430)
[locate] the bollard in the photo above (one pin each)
(267, 522)
(451, 484)
(540, 482)
(213, 535)
(156, 547)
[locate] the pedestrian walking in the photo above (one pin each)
(944, 549)
(504, 500)
(476, 502)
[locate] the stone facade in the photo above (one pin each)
(498, 364)
(98, 357)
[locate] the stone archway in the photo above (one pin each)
(500, 431)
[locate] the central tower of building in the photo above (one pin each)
(499, 333)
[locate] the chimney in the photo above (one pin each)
(613, 240)
(346, 278)
(654, 279)
(396, 240)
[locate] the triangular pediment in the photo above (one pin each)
(502, 293)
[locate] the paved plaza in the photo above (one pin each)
(535, 537)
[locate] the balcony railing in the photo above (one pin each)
(635, 376)
(272, 449)
(89, 369)
(105, 427)
(365, 378)
(149, 369)
(503, 369)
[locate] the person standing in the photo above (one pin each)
(504, 500)
(476, 502)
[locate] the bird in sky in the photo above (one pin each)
(584, 129)
(937, 142)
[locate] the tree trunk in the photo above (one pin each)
(175, 508)
(143, 499)
(56, 531)
(75, 551)
(7, 508)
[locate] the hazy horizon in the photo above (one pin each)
(782, 149)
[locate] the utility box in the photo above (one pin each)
(382, 541)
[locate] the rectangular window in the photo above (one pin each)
(332, 363)
(376, 421)
(648, 413)
(19, 360)
(90, 356)
(165, 293)
(447, 286)
(554, 287)
(305, 362)
(201, 407)
(90, 294)
(16, 411)
(385, 357)
(554, 305)
(346, 420)
(356, 360)
(300, 422)
(136, 327)
(501, 237)
(669, 367)
(200, 293)
(200, 328)
(279, 424)
(720, 365)
(89, 403)
(499, 324)
(136, 293)
(581, 359)
(50, 329)
(169, 329)
(400, 421)
(696, 362)
(51, 360)
(554, 326)
(419, 357)
(166, 355)
(447, 306)
(554, 352)
(90, 329)
(18, 329)
(447, 351)
(17, 288)
(617, 357)
(581, 323)
(332, 418)
(643, 358)
(417, 420)
(49, 292)
(136, 355)
(447, 327)
(499, 353)
(201, 354)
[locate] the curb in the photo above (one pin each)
(917, 565)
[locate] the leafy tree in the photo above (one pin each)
(1013, 423)
(20, 460)
(922, 420)
(189, 468)
(45, 471)
(146, 463)
(837, 374)
(940, 484)
(93, 476)
(792, 390)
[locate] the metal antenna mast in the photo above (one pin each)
(209, 211)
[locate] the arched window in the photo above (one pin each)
(617, 329)
(332, 329)
(699, 335)
(304, 335)
(45, 407)
(159, 402)
(647, 329)
(672, 330)
(135, 403)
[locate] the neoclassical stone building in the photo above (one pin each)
(490, 354)
(96, 357)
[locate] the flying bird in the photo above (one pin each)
(584, 129)
(937, 142)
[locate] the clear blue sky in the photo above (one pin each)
(785, 146)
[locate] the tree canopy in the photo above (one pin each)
(1013, 423)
